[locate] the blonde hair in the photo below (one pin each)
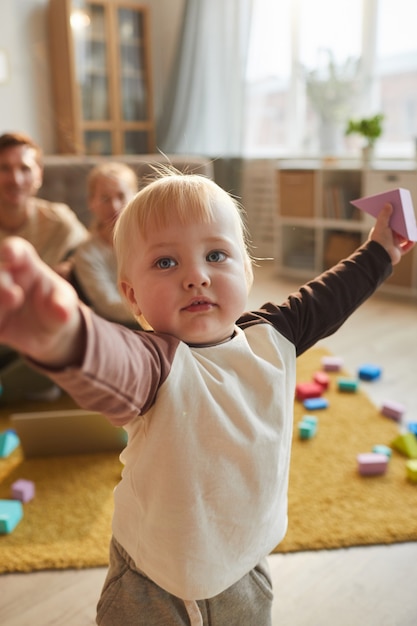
(174, 196)
(111, 169)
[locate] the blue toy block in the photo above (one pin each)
(23, 490)
(347, 384)
(369, 372)
(382, 449)
(11, 512)
(9, 441)
(412, 428)
(313, 404)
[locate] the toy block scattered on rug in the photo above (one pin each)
(314, 404)
(308, 390)
(412, 428)
(322, 379)
(394, 410)
(23, 490)
(332, 363)
(369, 372)
(382, 449)
(406, 443)
(11, 512)
(372, 463)
(411, 470)
(9, 441)
(403, 219)
(347, 384)
(307, 428)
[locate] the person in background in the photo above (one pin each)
(51, 227)
(94, 272)
(206, 397)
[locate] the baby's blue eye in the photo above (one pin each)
(165, 263)
(216, 256)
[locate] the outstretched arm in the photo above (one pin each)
(394, 244)
(39, 310)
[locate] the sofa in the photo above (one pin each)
(65, 177)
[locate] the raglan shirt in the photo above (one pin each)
(203, 493)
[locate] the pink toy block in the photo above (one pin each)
(23, 490)
(322, 379)
(308, 390)
(332, 363)
(372, 463)
(403, 219)
(394, 410)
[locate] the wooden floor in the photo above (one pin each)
(373, 586)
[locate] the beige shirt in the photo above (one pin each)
(52, 228)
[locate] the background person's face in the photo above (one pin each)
(20, 176)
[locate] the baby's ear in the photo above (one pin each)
(129, 294)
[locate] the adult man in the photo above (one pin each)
(52, 228)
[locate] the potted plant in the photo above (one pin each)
(370, 128)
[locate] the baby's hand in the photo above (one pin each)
(394, 244)
(39, 313)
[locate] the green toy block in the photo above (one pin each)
(11, 512)
(406, 444)
(411, 469)
(347, 384)
(9, 441)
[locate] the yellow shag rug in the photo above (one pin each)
(68, 523)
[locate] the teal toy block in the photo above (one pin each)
(347, 384)
(307, 428)
(314, 404)
(11, 512)
(369, 372)
(382, 449)
(9, 441)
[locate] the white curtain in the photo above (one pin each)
(204, 106)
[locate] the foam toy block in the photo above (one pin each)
(403, 219)
(347, 384)
(332, 363)
(412, 427)
(394, 410)
(382, 449)
(11, 512)
(308, 390)
(406, 444)
(411, 469)
(307, 428)
(369, 372)
(322, 379)
(312, 404)
(372, 464)
(23, 490)
(9, 441)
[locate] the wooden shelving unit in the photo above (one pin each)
(101, 73)
(317, 225)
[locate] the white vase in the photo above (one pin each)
(367, 154)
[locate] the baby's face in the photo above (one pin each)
(189, 280)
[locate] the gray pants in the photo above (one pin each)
(129, 598)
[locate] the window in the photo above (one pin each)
(313, 64)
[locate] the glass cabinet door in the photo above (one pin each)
(88, 26)
(133, 86)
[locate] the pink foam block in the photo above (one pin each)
(394, 410)
(332, 363)
(403, 219)
(23, 490)
(308, 390)
(372, 463)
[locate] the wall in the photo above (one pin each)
(26, 97)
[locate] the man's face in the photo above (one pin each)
(20, 177)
